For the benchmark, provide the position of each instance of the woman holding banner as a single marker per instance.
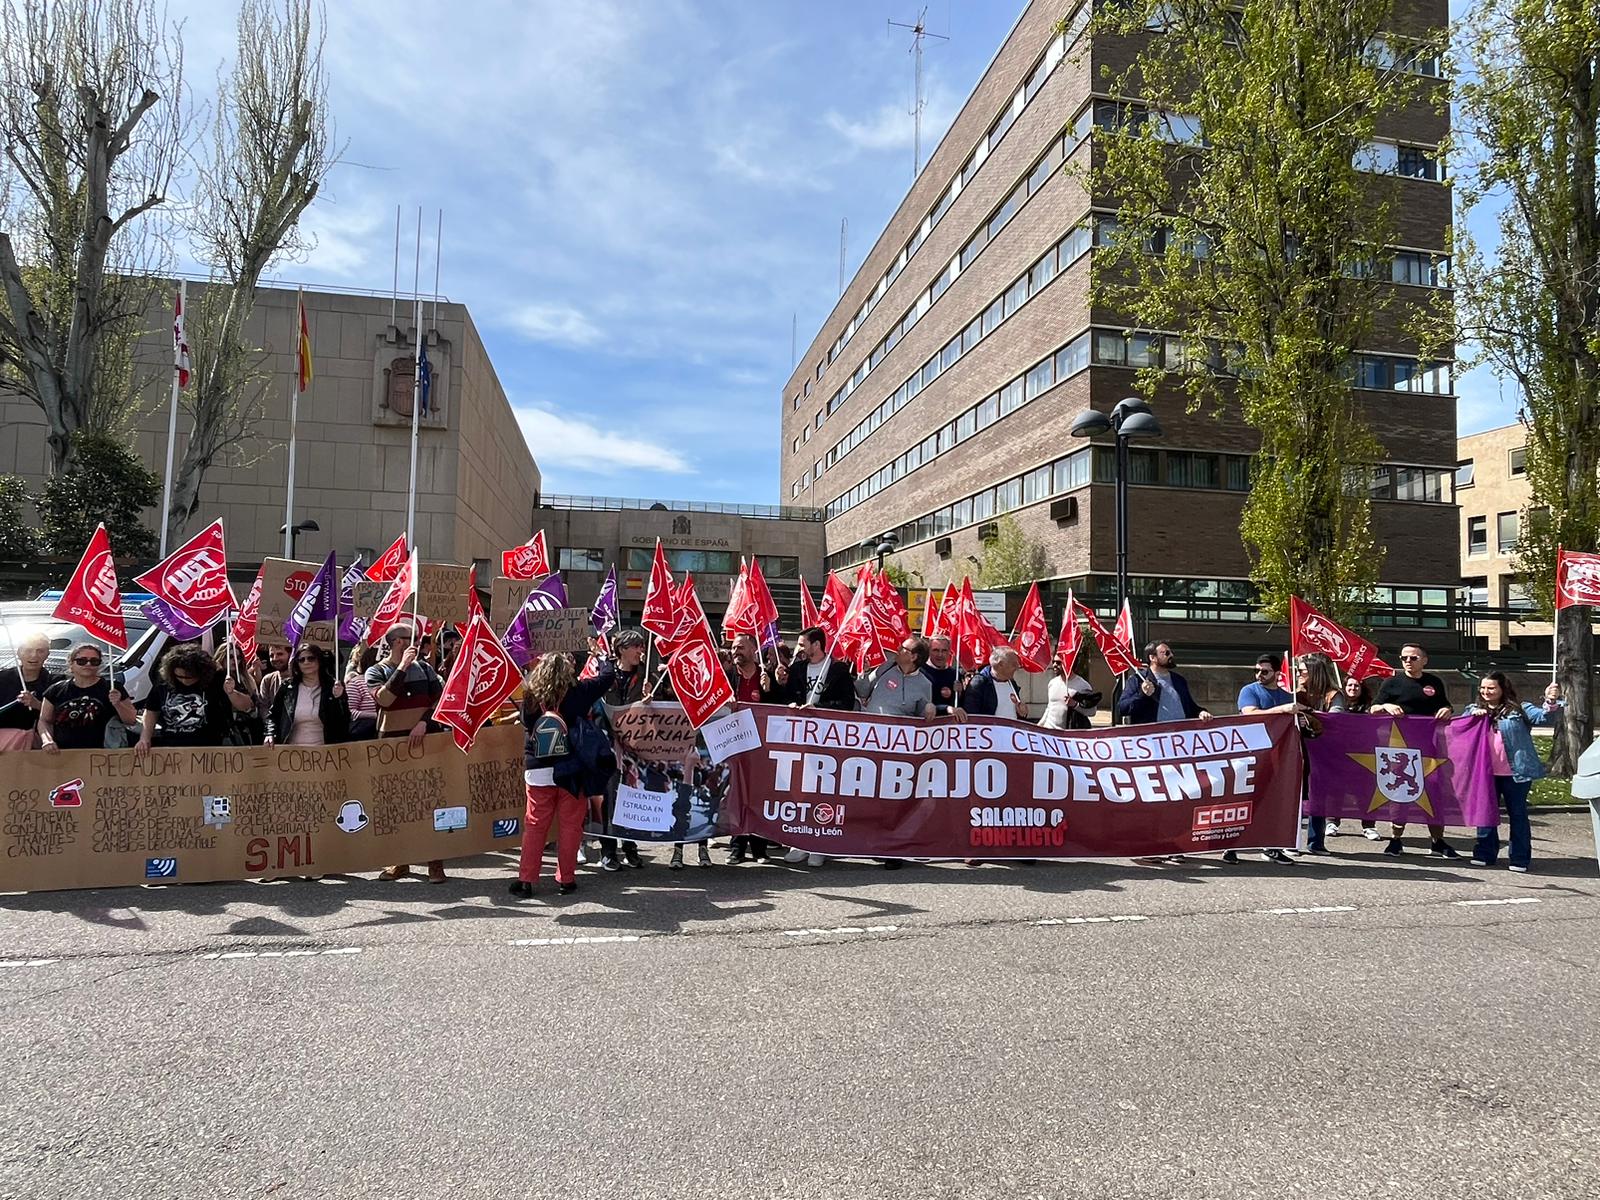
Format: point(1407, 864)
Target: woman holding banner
point(310, 708)
point(1516, 766)
point(22, 690)
point(555, 713)
point(76, 710)
point(406, 689)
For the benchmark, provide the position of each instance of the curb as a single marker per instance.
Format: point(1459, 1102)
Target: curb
point(1558, 808)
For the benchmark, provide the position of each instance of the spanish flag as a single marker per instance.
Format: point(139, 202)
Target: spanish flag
point(304, 350)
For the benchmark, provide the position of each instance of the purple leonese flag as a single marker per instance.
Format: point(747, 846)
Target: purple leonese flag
point(170, 621)
point(1406, 769)
point(351, 627)
point(320, 603)
point(550, 594)
point(604, 615)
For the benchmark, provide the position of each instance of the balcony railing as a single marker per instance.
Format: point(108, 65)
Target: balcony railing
point(763, 512)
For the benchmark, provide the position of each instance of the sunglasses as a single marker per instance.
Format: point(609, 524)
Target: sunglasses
point(310, 658)
point(1411, 658)
point(88, 662)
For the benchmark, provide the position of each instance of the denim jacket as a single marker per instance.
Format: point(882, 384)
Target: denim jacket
point(1515, 735)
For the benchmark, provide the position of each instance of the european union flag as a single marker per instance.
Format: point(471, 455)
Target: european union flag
point(425, 375)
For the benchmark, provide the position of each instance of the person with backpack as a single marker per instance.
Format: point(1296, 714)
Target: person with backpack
point(562, 752)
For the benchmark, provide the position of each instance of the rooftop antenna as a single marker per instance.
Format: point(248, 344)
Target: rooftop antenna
point(844, 226)
point(918, 32)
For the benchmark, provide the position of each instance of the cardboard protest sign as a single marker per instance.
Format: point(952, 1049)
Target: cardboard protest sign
point(559, 630)
point(506, 597)
point(283, 584)
point(442, 592)
point(665, 788)
point(101, 818)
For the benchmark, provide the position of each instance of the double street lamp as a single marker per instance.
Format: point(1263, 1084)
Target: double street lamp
point(883, 545)
point(293, 532)
point(1131, 418)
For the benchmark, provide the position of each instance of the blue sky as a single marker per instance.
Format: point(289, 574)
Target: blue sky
point(637, 196)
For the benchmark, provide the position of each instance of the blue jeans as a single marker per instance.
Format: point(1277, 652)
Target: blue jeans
point(1514, 795)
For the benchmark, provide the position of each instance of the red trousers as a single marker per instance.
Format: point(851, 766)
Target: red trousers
point(547, 804)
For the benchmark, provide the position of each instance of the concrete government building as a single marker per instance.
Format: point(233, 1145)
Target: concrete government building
point(938, 394)
point(476, 479)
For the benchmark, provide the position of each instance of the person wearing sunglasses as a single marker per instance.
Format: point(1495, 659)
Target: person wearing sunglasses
point(76, 710)
point(1415, 692)
point(310, 708)
point(192, 705)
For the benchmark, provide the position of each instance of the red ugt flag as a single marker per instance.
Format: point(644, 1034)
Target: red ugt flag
point(1577, 579)
point(193, 579)
point(528, 561)
point(691, 615)
point(481, 679)
point(244, 625)
point(1312, 632)
point(830, 614)
point(1071, 640)
point(92, 597)
point(809, 617)
point(393, 605)
point(698, 679)
point(390, 563)
point(1033, 633)
point(660, 615)
point(1118, 657)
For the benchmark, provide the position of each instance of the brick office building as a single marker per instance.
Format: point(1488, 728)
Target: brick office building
point(476, 478)
point(938, 394)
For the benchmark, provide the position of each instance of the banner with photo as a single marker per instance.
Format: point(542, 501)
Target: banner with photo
point(856, 784)
point(102, 818)
point(665, 787)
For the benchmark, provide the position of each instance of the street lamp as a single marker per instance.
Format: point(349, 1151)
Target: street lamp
point(882, 546)
point(1131, 418)
point(307, 526)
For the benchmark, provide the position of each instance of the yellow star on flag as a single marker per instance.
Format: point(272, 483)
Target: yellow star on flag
point(1394, 766)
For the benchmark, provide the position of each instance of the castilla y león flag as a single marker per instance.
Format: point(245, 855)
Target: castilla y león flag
point(92, 597)
point(193, 580)
point(480, 681)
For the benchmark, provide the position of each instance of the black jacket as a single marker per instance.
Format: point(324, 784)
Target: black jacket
point(979, 698)
point(838, 686)
point(334, 712)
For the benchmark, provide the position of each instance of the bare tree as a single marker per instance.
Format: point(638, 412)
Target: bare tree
point(92, 127)
point(272, 146)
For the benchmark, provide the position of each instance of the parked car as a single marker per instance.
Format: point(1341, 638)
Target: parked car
point(21, 617)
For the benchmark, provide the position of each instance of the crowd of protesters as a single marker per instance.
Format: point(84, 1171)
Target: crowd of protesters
point(297, 697)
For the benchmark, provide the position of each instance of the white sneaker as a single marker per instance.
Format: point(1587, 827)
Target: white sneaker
point(1372, 835)
point(583, 859)
point(813, 860)
point(1332, 829)
point(795, 856)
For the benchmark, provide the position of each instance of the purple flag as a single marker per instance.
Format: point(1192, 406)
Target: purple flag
point(171, 622)
point(320, 603)
point(604, 615)
point(351, 627)
point(1407, 769)
point(550, 594)
point(769, 636)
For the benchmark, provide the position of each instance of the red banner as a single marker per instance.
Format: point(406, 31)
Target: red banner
point(92, 597)
point(863, 785)
point(701, 685)
point(193, 579)
point(528, 561)
point(481, 679)
point(1577, 579)
point(1311, 631)
point(1033, 633)
point(391, 562)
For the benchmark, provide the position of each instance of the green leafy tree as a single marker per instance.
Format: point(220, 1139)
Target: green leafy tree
point(19, 541)
point(104, 483)
point(1011, 558)
point(1245, 221)
point(1528, 113)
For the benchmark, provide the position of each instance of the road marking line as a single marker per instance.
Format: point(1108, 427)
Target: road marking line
point(27, 962)
point(1090, 920)
point(1321, 908)
point(215, 956)
point(575, 941)
point(841, 929)
point(1512, 900)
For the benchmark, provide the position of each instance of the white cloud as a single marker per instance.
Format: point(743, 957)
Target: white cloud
point(560, 441)
point(889, 128)
point(560, 324)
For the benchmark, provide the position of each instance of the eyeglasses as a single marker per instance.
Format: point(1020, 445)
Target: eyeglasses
point(88, 662)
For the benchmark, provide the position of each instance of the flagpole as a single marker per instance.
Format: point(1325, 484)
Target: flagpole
point(416, 387)
point(294, 418)
point(172, 430)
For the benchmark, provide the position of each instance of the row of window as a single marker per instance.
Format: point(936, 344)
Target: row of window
point(1506, 529)
point(1036, 176)
point(1516, 467)
point(1399, 53)
point(1102, 347)
point(1052, 57)
point(1054, 260)
point(707, 562)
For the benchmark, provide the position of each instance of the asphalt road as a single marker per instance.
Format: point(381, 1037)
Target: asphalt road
point(1351, 1027)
